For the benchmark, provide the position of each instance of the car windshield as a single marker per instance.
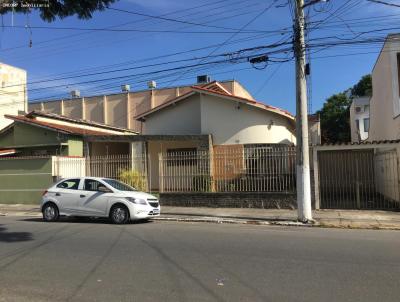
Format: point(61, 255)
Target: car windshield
point(119, 185)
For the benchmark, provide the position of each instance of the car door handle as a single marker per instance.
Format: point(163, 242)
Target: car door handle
point(58, 194)
point(81, 196)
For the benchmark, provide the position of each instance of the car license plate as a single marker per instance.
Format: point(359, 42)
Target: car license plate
point(156, 211)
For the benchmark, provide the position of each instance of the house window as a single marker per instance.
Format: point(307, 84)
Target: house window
point(358, 125)
point(182, 157)
point(366, 107)
point(366, 124)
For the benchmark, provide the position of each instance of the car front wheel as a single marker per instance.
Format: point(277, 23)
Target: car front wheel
point(119, 214)
point(50, 212)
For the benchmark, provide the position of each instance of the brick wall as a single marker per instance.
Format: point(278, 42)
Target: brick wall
point(230, 200)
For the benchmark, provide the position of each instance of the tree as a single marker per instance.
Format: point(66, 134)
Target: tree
point(335, 114)
point(363, 87)
point(51, 9)
point(335, 119)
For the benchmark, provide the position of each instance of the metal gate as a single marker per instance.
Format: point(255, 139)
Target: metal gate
point(358, 179)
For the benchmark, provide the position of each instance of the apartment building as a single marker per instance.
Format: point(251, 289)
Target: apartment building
point(13, 92)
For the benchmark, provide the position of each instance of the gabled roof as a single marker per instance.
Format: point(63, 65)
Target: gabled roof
point(214, 86)
point(214, 90)
point(66, 128)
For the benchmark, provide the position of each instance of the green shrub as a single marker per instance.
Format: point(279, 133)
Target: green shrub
point(133, 178)
point(202, 183)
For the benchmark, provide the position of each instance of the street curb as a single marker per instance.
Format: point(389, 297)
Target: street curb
point(219, 220)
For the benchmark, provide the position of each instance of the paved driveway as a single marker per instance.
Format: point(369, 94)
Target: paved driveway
point(166, 261)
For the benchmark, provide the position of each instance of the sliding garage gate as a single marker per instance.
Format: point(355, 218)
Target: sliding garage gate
point(359, 178)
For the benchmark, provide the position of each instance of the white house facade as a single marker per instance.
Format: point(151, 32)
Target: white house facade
point(359, 119)
point(227, 118)
point(385, 100)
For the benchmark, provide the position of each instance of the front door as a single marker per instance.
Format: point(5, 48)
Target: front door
point(91, 201)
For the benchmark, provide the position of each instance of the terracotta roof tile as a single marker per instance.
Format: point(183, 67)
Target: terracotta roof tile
point(199, 89)
point(34, 114)
point(57, 127)
point(7, 152)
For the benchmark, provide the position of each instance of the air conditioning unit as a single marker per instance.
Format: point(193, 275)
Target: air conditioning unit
point(359, 109)
point(75, 94)
point(125, 88)
point(203, 79)
point(152, 84)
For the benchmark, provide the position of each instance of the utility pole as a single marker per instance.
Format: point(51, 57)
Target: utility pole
point(302, 149)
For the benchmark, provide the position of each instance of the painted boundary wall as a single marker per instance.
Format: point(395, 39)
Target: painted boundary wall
point(23, 180)
point(260, 200)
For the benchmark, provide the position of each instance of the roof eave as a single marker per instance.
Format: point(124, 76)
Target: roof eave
point(42, 126)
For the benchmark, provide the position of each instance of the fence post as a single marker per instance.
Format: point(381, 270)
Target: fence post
point(211, 168)
point(358, 194)
point(148, 158)
point(316, 179)
point(160, 173)
point(58, 168)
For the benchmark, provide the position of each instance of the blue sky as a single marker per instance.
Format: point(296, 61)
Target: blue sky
point(61, 53)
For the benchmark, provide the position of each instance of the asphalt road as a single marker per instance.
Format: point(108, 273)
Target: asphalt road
point(159, 261)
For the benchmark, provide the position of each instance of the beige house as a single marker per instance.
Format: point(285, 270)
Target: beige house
point(120, 109)
point(13, 94)
point(229, 119)
point(232, 122)
point(385, 101)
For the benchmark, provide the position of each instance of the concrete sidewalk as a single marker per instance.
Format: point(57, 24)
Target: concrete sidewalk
point(323, 218)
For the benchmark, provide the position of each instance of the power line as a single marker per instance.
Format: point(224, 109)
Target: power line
point(384, 3)
point(108, 87)
point(230, 56)
point(134, 30)
point(234, 34)
point(171, 19)
point(220, 17)
point(235, 59)
point(277, 51)
point(117, 25)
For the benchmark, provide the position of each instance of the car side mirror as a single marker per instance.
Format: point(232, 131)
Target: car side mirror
point(103, 189)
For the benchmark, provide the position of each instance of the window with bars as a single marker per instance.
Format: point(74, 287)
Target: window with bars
point(182, 157)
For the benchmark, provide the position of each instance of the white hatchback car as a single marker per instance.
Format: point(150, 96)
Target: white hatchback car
point(98, 197)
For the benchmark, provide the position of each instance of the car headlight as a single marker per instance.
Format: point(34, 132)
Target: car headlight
point(136, 200)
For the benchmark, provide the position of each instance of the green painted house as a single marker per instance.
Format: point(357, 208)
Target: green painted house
point(38, 133)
